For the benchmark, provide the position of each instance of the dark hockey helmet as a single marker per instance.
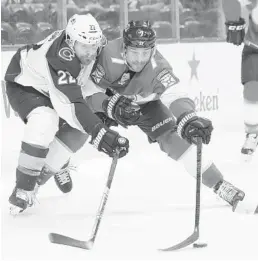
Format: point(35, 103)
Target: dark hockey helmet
point(139, 34)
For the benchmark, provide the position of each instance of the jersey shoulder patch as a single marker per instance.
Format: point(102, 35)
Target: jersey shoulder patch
point(97, 73)
point(167, 78)
point(164, 72)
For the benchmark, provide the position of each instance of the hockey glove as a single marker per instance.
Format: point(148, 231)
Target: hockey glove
point(121, 109)
point(235, 31)
point(109, 141)
point(190, 127)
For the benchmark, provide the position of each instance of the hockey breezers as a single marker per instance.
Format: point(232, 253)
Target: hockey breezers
point(195, 235)
point(64, 240)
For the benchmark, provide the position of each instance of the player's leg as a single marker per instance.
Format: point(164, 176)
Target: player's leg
point(250, 82)
point(41, 126)
point(66, 142)
point(160, 126)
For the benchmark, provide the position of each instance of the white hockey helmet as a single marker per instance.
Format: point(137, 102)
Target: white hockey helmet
point(84, 29)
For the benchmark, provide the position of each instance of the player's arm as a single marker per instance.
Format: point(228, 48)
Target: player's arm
point(116, 107)
point(95, 101)
point(67, 99)
point(173, 95)
point(235, 24)
point(168, 88)
point(99, 76)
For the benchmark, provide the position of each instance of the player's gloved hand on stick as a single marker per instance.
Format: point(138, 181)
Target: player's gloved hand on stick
point(121, 109)
point(235, 31)
point(109, 141)
point(190, 127)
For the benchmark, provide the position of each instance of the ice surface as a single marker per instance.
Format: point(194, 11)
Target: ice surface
point(150, 206)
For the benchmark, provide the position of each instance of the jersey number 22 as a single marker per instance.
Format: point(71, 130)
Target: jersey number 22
point(65, 78)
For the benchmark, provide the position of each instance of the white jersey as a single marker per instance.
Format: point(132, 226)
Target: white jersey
point(52, 68)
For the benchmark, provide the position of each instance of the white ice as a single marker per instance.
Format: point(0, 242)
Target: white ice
point(150, 205)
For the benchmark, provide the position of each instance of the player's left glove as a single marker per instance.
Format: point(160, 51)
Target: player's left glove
point(121, 109)
point(190, 127)
point(235, 31)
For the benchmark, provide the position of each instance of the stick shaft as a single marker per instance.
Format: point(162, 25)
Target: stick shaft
point(104, 198)
point(198, 184)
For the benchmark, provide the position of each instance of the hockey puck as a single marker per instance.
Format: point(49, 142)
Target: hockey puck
point(200, 245)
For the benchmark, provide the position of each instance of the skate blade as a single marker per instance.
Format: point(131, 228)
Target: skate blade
point(246, 207)
point(247, 157)
point(15, 210)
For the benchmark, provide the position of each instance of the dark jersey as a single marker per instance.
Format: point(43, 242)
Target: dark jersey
point(156, 78)
point(52, 68)
point(111, 71)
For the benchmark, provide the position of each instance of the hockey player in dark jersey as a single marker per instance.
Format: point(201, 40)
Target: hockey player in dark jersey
point(142, 90)
point(45, 87)
point(236, 34)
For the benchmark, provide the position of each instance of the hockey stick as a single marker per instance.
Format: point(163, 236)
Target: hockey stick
point(196, 234)
point(64, 240)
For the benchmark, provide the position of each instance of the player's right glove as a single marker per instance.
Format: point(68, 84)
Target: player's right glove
point(121, 109)
point(190, 127)
point(235, 31)
point(109, 141)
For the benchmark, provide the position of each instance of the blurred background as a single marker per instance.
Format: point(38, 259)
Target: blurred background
point(28, 21)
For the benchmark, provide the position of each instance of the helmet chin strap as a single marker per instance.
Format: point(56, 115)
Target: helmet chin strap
point(103, 43)
point(70, 42)
point(124, 57)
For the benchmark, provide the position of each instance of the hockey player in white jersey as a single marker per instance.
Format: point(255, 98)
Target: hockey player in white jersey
point(44, 86)
point(236, 35)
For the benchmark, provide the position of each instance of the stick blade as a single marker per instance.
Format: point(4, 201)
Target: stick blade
point(190, 240)
point(68, 241)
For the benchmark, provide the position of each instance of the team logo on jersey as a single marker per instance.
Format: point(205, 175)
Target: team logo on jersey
point(167, 78)
point(98, 73)
point(66, 53)
point(125, 77)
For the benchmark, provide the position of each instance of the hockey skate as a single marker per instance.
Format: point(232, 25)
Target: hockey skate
point(44, 176)
point(62, 178)
point(20, 200)
point(249, 146)
point(240, 202)
point(229, 193)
